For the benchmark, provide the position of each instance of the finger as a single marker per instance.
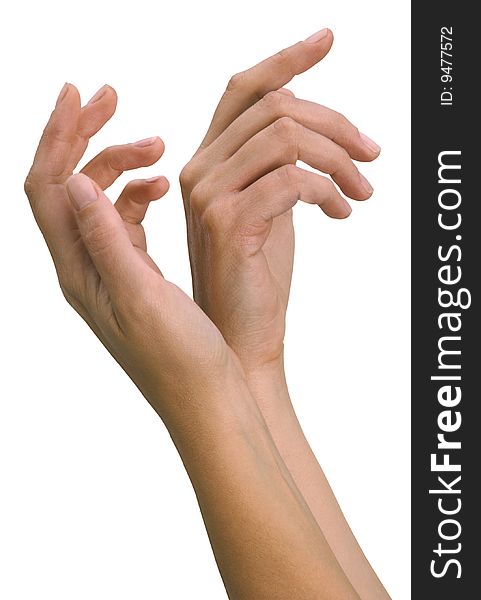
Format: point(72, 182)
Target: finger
point(49, 170)
point(276, 105)
point(278, 191)
point(105, 237)
point(285, 142)
point(107, 166)
point(52, 159)
point(246, 88)
point(134, 200)
point(98, 110)
point(93, 116)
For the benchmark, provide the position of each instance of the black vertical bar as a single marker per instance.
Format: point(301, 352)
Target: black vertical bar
point(452, 127)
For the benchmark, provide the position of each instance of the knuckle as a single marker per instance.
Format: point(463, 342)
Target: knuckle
point(339, 119)
point(187, 177)
point(283, 61)
point(329, 187)
point(344, 125)
point(339, 157)
point(286, 128)
point(343, 157)
point(70, 287)
point(69, 294)
point(272, 102)
point(111, 158)
point(354, 131)
point(281, 58)
point(236, 82)
point(341, 163)
point(99, 237)
point(286, 92)
point(199, 197)
point(290, 174)
point(31, 185)
point(212, 219)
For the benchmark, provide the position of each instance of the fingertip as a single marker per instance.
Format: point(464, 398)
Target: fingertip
point(369, 144)
point(112, 91)
point(329, 41)
point(162, 145)
point(63, 119)
point(99, 109)
point(317, 45)
point(160, 181)
point(113, 94)
point(149, 142)
point(340, 212)
point(63, 93)
point(105, 93)
point(152, 149)
point(366, 186)
point(67, 96)
point(347, 210)
point(320, 36)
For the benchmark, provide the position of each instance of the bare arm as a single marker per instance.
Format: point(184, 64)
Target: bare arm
point(239, 191)
point(265, 538)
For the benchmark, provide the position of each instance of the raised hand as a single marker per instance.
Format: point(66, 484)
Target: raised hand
point(239, 190)
point(149, 325)
point(263, 534)
point(241, 184)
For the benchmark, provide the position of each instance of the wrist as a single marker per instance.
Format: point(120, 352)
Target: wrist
point(268, 386)
point(187, 395)
point(219, 414)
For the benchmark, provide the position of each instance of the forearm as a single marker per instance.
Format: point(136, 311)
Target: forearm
point(268, 386)
point(266, 542)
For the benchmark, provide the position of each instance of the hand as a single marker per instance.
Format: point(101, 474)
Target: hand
point(239, 190)
point(159, 335)
point(240, 187)
point(178, 359)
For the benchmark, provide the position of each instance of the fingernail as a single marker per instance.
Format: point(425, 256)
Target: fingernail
point(63, 93)
point(81, 191)
point(98, 95)
point(371, 144)
point(317, 37)
point(146, 142)
point(153, 179)
point(365, 184)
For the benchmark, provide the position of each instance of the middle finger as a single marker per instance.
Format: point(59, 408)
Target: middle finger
point(286, 142)
point(275, 105)
point(107, 166)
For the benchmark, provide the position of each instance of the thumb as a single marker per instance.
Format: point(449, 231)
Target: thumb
point(105, 237)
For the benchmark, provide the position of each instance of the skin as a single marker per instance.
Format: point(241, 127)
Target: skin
point(196, 372)
point(239, 190)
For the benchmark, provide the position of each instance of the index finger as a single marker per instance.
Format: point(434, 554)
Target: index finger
point(246, 88)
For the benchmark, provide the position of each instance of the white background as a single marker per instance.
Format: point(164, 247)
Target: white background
point(94, 502)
